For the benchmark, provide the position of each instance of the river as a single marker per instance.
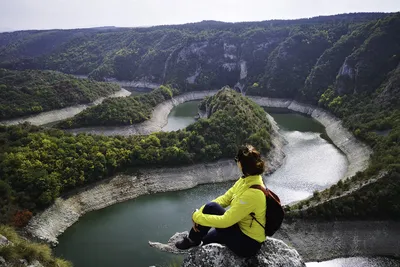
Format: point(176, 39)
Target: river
point(181, 116)
point(118, 235)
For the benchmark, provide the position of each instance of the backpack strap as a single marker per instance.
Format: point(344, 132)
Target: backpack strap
point(260, 187)
point(266, 193)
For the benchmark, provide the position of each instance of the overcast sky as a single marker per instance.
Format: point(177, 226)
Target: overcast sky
point(50, 14)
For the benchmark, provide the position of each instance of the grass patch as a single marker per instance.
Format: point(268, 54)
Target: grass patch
point(30, 251)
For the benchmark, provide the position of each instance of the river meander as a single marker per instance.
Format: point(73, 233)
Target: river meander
point(118, 235)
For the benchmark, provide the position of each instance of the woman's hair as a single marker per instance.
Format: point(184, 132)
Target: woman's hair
point(251, 161)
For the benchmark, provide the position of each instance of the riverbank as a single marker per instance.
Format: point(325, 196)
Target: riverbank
point(158, 120)
point(62, 114)
point(321, 241)
point(357, 153)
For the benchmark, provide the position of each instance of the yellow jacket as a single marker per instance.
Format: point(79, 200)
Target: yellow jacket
point(242, 200)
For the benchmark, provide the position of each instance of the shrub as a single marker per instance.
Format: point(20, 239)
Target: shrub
point(21, 218)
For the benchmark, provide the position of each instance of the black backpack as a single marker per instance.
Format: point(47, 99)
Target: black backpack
point(274, 213)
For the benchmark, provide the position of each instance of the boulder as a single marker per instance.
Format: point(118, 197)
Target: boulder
point(273, 252)
point(4, 241)
point(170, 245)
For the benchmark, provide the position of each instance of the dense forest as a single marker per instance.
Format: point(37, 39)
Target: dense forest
point(348, 64)
point(37, 165)
point(120, 111)
point(33, 91)
point(212, 53)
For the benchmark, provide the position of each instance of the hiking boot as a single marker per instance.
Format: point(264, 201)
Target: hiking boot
point(186, 243)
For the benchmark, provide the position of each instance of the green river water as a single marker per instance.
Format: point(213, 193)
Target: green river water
point(118, 235)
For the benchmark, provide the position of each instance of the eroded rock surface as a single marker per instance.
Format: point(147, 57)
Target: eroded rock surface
point(4, 241)
point(273, 253)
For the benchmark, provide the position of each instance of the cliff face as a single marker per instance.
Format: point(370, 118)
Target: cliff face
point(282, 57)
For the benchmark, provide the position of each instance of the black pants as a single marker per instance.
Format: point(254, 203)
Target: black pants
point(241, 244)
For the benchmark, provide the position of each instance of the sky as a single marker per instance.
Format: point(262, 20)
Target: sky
point(67, 14)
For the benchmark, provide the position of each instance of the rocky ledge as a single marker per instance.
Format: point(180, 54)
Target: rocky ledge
point(273, 253)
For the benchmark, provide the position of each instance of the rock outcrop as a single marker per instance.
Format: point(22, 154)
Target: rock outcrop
point(273, 253)
point(4, 241)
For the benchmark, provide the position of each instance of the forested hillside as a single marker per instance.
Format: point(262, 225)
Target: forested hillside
point(38, 165)
point(33, 91)
point(120, 111)
point(191, 56)
point(348, 64)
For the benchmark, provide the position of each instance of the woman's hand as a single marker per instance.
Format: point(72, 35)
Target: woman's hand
point(195, 225)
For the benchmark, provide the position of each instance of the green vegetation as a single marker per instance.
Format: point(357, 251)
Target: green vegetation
point(27, 250)
point(279, 56)
point(143, 53)
point(33, 91)
point(120, 111)
point(37, 165)
point(347, 64)
point(373, 200)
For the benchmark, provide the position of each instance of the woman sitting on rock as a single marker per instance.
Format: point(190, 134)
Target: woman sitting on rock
point(234, 227)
